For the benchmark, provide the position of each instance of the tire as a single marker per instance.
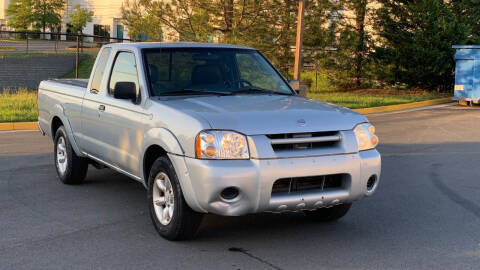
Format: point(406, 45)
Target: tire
point(172, 217)
point(329, 214)
point(73, 169)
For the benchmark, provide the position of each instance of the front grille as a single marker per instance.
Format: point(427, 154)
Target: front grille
point(302, 141)
point(324, 182)
point(295, 135)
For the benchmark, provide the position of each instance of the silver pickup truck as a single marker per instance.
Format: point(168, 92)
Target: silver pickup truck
point(208, 128)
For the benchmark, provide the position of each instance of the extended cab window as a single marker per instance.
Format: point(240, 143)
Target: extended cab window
point(100, 69)
point(124, 70)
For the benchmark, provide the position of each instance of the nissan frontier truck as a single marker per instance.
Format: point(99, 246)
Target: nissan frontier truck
point(208, 128)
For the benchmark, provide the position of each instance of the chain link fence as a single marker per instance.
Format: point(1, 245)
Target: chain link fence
point(27, 57)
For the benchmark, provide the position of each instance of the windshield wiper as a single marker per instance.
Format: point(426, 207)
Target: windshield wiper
point(258, 90)
point(193, 92)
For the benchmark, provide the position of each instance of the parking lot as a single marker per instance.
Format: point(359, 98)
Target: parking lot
point(425, 214)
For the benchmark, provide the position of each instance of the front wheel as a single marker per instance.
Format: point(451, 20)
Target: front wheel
point(172, 217)
point(329, 214)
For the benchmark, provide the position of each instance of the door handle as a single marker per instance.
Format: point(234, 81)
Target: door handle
point(101, 108)
point(94, 91)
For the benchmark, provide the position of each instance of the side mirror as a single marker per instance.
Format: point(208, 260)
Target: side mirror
point(125, 90)
point(299, 87)
point(295, 85)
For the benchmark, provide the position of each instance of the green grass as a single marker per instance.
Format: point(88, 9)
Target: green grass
point(357, 99)
point(18, 106)
point(84, 67)
point(7, 49)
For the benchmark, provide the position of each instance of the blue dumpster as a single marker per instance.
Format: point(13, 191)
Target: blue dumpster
point(467, 73)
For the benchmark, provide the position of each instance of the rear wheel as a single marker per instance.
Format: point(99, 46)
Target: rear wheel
point(172, 217)
point(71, 169)
point(329, 214)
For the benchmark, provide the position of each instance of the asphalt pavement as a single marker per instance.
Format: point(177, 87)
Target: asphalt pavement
point(425, 214)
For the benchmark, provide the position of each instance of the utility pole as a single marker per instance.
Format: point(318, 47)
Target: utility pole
point(299, 40)
point(298, 86)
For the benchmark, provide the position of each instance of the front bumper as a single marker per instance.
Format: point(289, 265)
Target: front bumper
point(204, 180)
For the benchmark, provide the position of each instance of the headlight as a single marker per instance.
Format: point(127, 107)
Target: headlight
point(366, 138)
point(221, 144)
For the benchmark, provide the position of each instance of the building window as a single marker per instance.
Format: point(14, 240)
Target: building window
point(119, 31)
point(143, 37)
point(101, 30)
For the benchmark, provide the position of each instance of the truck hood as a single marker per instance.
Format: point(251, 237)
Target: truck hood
point(268, 114)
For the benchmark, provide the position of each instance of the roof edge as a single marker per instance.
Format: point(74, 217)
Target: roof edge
point(182, 45)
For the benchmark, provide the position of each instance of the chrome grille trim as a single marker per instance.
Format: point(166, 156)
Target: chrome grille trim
point(332, 138)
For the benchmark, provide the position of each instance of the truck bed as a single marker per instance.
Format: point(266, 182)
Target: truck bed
point(65, 95)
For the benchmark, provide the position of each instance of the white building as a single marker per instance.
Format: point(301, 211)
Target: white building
point(3, 16)
point(106, 20)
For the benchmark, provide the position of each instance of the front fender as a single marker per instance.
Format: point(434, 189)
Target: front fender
point(165, 139)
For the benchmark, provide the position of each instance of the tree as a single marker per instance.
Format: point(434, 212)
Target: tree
point(279, 33)
point(468, 15)
point(353, 43)
point(322, 19)
point(79, 18)
point(265, 24)
point(322, 25)
point(417, 39)
point(204, 20)
point(20, 15)
point(47, 13)
point(360, 37)
point(338, 32)
point(137, 18)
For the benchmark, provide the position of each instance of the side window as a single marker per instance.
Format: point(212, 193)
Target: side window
point(100, 69)
point(124, 70)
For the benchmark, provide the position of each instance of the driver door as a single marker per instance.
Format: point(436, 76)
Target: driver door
point(120, 123)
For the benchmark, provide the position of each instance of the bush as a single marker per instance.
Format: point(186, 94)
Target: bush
point(318, 81)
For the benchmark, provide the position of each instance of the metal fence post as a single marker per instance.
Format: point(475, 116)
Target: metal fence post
point(56, 41)
point(76, 57)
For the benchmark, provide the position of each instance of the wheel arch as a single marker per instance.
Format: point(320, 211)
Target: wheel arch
point(153, 152)
point(161, 141)
point(59, 119)
point(157, 142)
point(56, 123)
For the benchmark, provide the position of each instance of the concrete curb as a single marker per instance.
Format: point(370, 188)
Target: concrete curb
point(19, 126)
point(34, 125)
point(398, 107)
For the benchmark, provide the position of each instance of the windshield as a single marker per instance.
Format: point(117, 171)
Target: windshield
point(187, 71)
